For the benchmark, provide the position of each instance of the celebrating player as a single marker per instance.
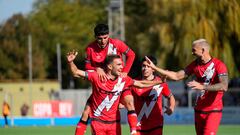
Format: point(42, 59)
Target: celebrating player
point(148, 102)
point(96, 52)
point(105, 116)
point(211, 79)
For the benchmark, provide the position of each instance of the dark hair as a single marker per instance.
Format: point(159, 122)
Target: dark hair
point(109, 59)
point(152, 58)
point(101, 29)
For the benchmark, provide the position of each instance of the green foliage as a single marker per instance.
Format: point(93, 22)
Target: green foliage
point(69, 23)
point(171, 26)
point(162, 28)
point(14, 50)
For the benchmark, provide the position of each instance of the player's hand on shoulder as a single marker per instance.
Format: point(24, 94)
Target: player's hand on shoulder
point(101, 74)
point(123, 74)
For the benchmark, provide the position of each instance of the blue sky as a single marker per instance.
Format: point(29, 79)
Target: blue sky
point(10, 7)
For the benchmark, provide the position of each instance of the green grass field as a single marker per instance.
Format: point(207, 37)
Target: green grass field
point(62, 130)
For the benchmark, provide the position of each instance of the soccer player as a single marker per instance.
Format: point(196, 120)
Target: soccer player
point(96, 52)
point(148, 101)
point(105, 116)
point(211, 80)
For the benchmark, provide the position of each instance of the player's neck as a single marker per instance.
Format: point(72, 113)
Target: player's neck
point(151, 77)
point(111, 76)
point(206, 59)
point(102, 46)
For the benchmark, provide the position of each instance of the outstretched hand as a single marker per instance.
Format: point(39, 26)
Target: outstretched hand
point(195, 85)
point(150, 63)
point(71, 56)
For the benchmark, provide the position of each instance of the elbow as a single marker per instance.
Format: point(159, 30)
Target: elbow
point(175, 78)
point(225, 88)
point(131, 54)
point(75, 74)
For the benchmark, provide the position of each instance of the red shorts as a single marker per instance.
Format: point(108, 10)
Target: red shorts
point(101, 128)
point(156, 131)
point(207, 123)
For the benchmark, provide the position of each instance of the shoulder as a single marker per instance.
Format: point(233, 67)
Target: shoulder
point(157, 78)
point(164, 85)
point(91, 74)
point(217, 61)
point(116, 41)
point(220, 66)
point(92, 45)
point(128, 79)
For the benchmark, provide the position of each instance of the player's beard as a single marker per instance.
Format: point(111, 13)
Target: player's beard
point(102, 44)
point(116, 73)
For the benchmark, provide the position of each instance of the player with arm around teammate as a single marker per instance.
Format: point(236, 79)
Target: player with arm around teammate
point(96, 52)
point(105, 116)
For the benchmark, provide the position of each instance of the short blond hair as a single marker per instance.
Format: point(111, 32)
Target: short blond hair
point(199, 41)
point(203, 42)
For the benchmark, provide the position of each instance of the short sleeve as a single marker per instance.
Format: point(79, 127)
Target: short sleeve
point(129, 81)
point(91, 75)
point(221, 69)
point(166, 91)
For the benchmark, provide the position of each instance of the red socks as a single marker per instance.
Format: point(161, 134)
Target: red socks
point(81, 127)
point(132, 121)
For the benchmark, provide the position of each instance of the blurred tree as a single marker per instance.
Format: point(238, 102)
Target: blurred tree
point(171, 27)
point(14, 50)
point(162, 28)
point(69, 23)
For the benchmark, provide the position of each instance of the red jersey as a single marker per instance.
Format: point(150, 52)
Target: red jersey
point(96, 55)
point(148, 105)
point(106, 95)
point(208, 74)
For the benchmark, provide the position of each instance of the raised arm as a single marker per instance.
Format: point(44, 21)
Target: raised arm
point(170, 74)
point(75, 71)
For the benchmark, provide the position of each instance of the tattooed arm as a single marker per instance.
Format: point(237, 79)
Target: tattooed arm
point(222, 85)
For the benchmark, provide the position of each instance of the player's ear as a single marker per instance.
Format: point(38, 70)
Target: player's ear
point(109, 66)
point(203, 50)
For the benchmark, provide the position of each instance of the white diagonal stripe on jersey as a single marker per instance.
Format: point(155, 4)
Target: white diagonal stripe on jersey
point(107, 103)
point(156, 90)
point(111, 49)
